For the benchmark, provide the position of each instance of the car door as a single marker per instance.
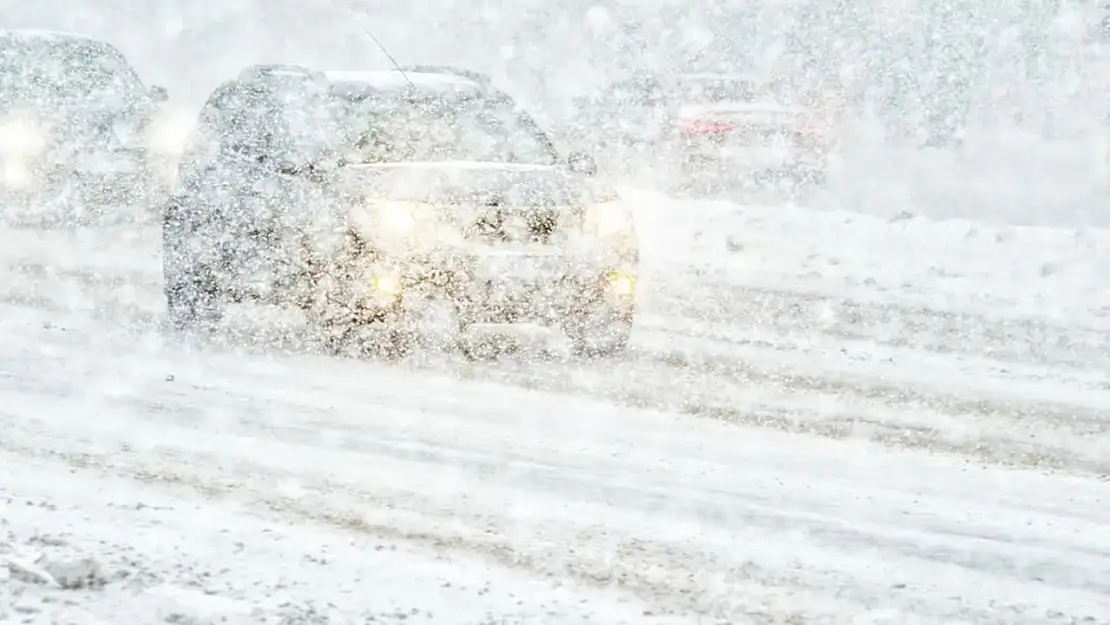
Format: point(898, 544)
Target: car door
point(196, 220)
point(253, 166)
point(282, 153)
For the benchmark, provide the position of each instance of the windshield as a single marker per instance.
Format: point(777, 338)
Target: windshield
point(716, 90)
point(442, 129)
point(52, 70)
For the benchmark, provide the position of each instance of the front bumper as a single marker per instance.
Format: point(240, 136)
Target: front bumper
point(89, 181)
point(494, 287)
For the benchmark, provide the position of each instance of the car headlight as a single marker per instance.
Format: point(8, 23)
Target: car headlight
point(621, 284)
point(170, 133)
point(15, 175)
point(396, 217)
point(607, 219)
point(393, 219)
point(21, 137)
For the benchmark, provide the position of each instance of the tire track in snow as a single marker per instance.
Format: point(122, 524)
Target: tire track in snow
point(709, 380)
point(1017, 340)
point(726, 389)
point(380, 473)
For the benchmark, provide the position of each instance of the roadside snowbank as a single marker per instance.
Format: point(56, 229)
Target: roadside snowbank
point(1002, 174)
point(1054, 274)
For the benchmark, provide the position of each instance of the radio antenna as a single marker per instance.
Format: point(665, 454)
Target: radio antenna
point(389, 56)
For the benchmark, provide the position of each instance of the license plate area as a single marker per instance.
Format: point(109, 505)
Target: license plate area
point(521, 268)
point(518, 286)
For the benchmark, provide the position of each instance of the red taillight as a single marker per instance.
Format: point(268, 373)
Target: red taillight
point(706, 127)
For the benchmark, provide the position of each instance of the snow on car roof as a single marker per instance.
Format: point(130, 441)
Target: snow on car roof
point(46, 35)
point(393, 80)
point(710, 76)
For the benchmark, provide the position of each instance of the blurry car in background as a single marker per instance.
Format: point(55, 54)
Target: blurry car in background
point(712, 128)
point(81, 137)
point(395, 194)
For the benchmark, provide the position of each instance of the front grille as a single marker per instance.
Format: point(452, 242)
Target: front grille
point(529, 225)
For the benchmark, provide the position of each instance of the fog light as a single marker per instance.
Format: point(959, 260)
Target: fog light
point(621, 284)
point(387, 283)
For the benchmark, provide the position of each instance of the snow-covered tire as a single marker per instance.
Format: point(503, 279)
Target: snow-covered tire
point(387, 340)
point(193, 306)
point(599, 332)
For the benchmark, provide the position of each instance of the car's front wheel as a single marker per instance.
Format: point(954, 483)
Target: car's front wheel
point(193, 299)
point(347, 321)
point(193, 304)
point(390, 340)
point(599, 330)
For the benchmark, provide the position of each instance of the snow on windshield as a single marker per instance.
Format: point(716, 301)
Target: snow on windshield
point(442, 129)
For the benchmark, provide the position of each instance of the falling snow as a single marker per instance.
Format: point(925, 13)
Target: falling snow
point(662, 312)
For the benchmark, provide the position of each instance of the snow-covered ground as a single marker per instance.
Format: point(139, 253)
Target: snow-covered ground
point(1054, 274)
point(817, 422)
point(246, 486)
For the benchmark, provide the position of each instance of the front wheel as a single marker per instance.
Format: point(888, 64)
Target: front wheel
point(192, 305)
point(602, 330)
point(192, 294)
point(388, 340)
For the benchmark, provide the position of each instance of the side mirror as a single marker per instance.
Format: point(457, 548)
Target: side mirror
point(582, 163)
point(159, 94)
point(321, 171)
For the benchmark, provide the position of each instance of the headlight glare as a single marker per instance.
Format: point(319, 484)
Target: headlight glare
point(387, 283)
point(21, 137)
point(621, 284)
point(397, 217)
point(607, 219)
point(169, 134)
point(16, 175)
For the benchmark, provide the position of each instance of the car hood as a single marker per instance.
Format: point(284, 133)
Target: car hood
point(763, 112)
point(458, 182)
point(79, 121)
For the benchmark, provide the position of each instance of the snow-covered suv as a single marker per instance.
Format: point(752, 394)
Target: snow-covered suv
point(364, 202)
point(79, 131)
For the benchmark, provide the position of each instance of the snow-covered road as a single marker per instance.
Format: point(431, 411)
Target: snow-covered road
point(244, 481)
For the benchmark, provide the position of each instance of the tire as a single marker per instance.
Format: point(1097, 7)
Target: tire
point(192, 295)
point(603, 330)
point(392, 341)
point(193, 305)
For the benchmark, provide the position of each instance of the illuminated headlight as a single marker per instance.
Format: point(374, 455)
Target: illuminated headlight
point(16, 174)
point(381, 285)
point(397, 219)
point(387, 283)
point(21, 138)
point(621, 284)
point(607, 219)
point(169, 134)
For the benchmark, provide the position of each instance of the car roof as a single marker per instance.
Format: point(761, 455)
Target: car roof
point(398, 82)
point(279, 71)
point(35, 34)
point(717, 76)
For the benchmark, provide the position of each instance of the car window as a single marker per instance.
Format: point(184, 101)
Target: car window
point(636, 92)
point(715, 90)
point(443, 129)
point(273, 121)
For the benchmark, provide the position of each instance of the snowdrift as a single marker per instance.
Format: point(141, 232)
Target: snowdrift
point(1055, 274)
